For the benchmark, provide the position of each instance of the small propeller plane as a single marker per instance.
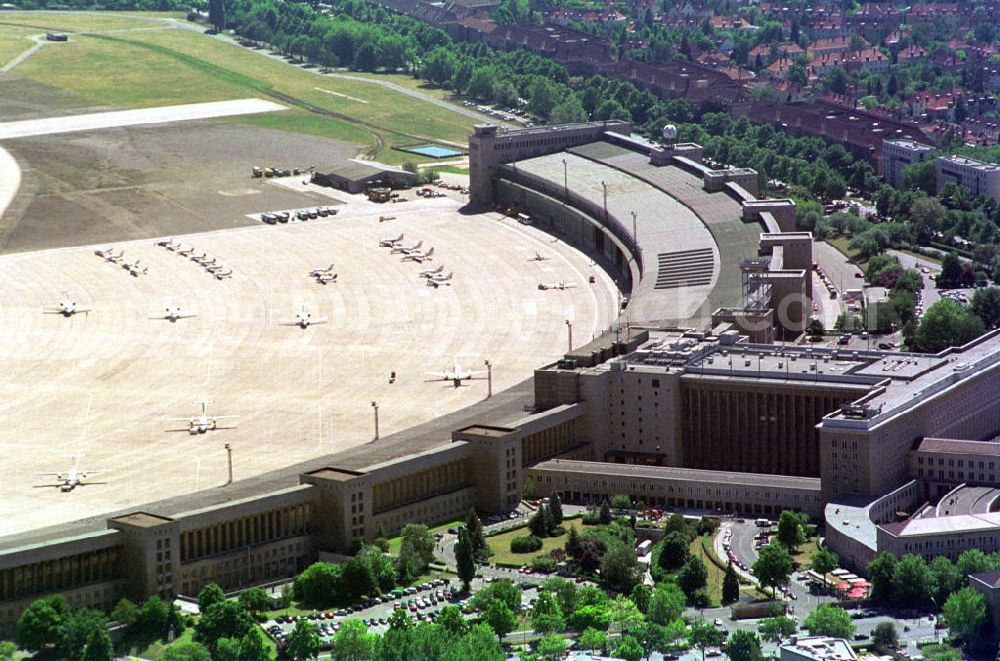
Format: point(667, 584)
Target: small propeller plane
point(199, 424)
point(67, 307)
point(70, 479)
point(303, 319)
point(456, 374)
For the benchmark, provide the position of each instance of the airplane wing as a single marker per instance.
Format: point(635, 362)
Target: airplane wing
point(50, 474)
point(318, 320)
point(440, 375)
point(223, 417)
point(181, 419)
point(290, 322)
point(192, 313)
point(83, 310)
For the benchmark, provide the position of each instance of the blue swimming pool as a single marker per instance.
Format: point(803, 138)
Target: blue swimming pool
point(434, 151)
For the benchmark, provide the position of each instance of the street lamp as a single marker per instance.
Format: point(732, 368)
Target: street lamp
point(375, 408)
point(229, 453)
point(569, 326)
point(604, 185)
point(635, 236)
point(565, 181)
point(489, 378)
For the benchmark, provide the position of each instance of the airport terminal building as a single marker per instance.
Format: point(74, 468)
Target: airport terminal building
point(688, 403)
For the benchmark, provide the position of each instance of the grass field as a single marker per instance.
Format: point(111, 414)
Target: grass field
point(841, 242)
point(396, 542)
point(13, 42)
point(74, 22)
point(148, 68)
point(500, 544)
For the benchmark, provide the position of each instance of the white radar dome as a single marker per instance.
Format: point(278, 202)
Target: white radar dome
point(669, 132)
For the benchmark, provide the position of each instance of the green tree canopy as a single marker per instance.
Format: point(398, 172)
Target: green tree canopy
point(743, 646)
point(773, 566)
point(776, 629)
point(303, 642)
point(965, 614)
point(831, 621)
point(40, 624)
point(947, 324)
point(209, 595)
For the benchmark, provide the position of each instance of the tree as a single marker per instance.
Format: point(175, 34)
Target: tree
point(944, 578)
point(885, 638)
point(451, 620)
point(881, 571)
point(7, 650)
point(353, 642)
point(254, 601)
point(126, 612)
point(666, 603)
point(217, 14)
point(464, 558)
point(573, 546)
point(628, 648)
point(677, 523)
point(499, 617)
point(743, 646)
point(911, 582)
point(620, 568)
point(555, 508)
point(640, 596)
point(625, 614)
point(824, 561)
point(186, 652)
point(226, 649)
point(591, 639)
point(693, 576)
point(830, 621)
point(40, 624)
point(504, 590)
point(78, 629)
point(772, 567)
point(704, 635)
point(303, 642)
point(951, 271)
point(965, 614)
point(551, 647)
point(475, 529)
point(791, 532)
point(604, 518)
point(317, 585)
point(224, 619)
point(209, 595)
point(538, 524)
point(98, 647)
point(776, 629)
point(253, 647)
point(546, 615)
point(730, 585)
point(591, 616)
point(420, 539)
point(674, 551)
point(985, 304)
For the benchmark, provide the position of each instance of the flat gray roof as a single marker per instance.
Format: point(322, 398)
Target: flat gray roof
point(680, 474)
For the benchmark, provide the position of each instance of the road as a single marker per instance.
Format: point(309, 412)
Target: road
point(929, 293)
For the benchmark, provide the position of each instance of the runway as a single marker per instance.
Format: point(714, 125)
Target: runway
point(118, 118)
point(103, 385)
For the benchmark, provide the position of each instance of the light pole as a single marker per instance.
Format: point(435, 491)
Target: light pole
point(604, 185)
point(229, 456)
point(565, 181)
point(489, 379)
point(635, 237)
point(375, 408)
point(569, 326)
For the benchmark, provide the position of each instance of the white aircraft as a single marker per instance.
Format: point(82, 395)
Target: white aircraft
point(390, 243)
point(67, 307)
point(318, 271)
point(134, 269)
point(303, 319)
point(456, 374)
point(556, 285)
point(186, 252)
point(419, 256)
point(538, 258)
point(214, 268)
point(427, 273)
point(169, 244)
point(323, 278)
point(200, 424)
point(407, 250)
point(222, 273)
point(439, 280)
point(203, 259)
point(70, 479)
point(108, 254)
point(172, 312)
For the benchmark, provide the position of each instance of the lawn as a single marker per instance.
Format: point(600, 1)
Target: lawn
point(75, 22)
point(14, 41)
point(840, 242)
point(803, 556)
point(500, 544)
point(163, 67)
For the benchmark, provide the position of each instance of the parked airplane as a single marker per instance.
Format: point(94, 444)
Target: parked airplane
point(172, 312)
point(203, 259)
point(186, 252)
point(222, 274)
point(407, 250)
point(456, 374)
point(214, 267)
point(67, 307)
point(556, 285)
point(439, 280)
point(427, 273)
point(108, 254)
point(134, 269)
point(303, 319)
point(68, 480)
point(390, 243)
point(419, 256)
point(323, 278)
point(200, 424)
point(538, 258)
point(318, 271)
point(169, 244)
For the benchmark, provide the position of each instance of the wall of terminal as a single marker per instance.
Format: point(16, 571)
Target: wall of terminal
point(703, 490)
